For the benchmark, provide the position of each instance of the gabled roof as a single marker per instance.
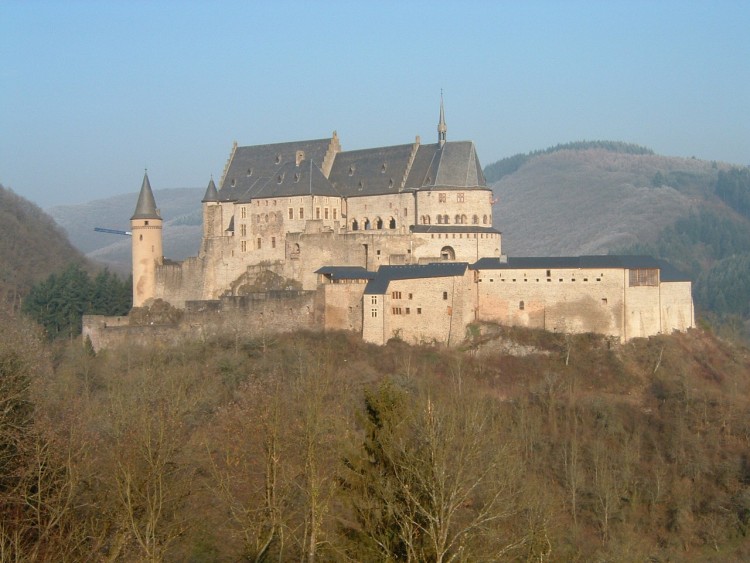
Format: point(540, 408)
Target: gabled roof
point(264, 161)
point(386, 274)
point(370, 171)
point(290, 180)
point(668, 272)
point(146, 206)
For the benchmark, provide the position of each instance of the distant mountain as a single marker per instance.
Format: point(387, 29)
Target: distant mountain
point(179, 207)
point(32, 247)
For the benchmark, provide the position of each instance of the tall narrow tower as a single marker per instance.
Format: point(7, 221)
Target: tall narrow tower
point(146, 226)
point(442, 127)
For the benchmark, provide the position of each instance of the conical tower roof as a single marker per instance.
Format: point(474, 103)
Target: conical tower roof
point(146, 206)
point(211, 193)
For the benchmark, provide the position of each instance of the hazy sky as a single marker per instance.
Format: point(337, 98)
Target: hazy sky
point(93, 92)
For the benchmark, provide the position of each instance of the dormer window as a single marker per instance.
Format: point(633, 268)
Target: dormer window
point(249, 172)
point(278, 158)
point(390, 183)
point(233, 182)
point(351, 170)
point(361, 185)
point(280, 178)
point(383, 168)
point(296, 178)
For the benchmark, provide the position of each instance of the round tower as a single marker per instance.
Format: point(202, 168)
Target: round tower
point(211, 212)
point(146, 228)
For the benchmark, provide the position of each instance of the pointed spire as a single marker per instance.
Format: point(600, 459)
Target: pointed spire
point(212, 194)
point(146, 206)
point(442, 127)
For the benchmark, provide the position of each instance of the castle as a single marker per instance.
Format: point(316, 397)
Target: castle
point(388, 242)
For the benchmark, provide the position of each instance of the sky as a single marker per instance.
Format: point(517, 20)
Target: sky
point(92, 93)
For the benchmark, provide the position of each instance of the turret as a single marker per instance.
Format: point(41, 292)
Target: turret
point(211, 211)
point(146, 227)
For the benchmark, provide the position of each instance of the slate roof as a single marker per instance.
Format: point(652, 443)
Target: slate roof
point(346, 272)
point(454, 165)
point(370, 171)
point(668, 272)
point(264, 161)
point(290, 180)
point(385, 274)
point(452, 229)
point(211, 193)
point(255, 171)
point(146, 206)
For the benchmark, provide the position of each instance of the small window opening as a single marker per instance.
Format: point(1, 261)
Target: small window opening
point(521, 305)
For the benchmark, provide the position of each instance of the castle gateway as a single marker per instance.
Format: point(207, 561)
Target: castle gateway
point(388, 242)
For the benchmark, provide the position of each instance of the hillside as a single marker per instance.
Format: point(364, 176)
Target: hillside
point(526, 446)
point(180, 208)
point(592, 201)
point(32, 247)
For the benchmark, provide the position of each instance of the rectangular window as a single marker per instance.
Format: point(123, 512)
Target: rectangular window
point(373, 313)
point(301, 212)
point(396, 295)
point(291, 213)
point(445, 295)
point(243, 212)
point(411, 296)
point(335, 214)
point(325, 213)
point(408, 310)
point(273, 242)
point(317, 212)
point(259, 243)
point(460, 197)
point(419, 310)
point(644, 277)
point(374, 300)
point(243, 229)
point(396, 310)
point(243, 246)
point(441, 198)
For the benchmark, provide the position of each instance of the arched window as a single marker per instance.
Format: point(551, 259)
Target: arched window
point(355, 225)
point(392, 223)
point(484, 219)
point(445, 219)
point(475, 220)
point(366, 224)
point(458, 219)
point(440, 219)
point(378, 223)
point(447, 253)
point(427, 219)
point(463, 219)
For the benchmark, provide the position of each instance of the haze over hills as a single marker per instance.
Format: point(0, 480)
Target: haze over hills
point(180, 208)
point(594, 200)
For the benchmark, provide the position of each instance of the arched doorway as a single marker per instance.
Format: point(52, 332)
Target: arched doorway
point(447, 253)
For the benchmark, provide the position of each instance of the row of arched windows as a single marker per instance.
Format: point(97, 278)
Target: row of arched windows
point(378, 223)
point(458, 220)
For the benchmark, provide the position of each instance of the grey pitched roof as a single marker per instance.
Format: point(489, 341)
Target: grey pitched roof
point(668, 272)
point(346, 272)
point(370, 171)
point(146, 206)
point(385, 274)
point(264, 161)
point(290, 180)
point(211, 193)
point(454, 165)
point(452, 229)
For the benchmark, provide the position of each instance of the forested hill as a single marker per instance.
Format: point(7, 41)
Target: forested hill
point(32, 247)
